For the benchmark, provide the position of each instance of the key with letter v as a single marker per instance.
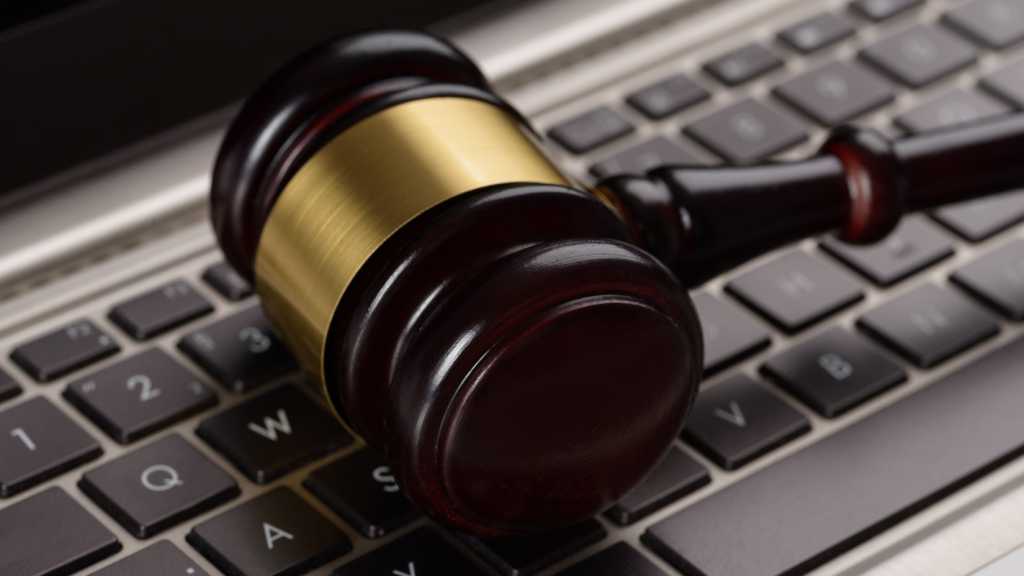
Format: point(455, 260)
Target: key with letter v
point(738, 420)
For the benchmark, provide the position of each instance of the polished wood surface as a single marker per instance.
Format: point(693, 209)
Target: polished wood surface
point(702, 221)
point(523, 353)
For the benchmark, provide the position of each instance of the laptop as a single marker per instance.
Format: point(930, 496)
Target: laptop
point(861, 411)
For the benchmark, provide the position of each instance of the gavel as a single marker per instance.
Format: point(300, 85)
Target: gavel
point(521, 349)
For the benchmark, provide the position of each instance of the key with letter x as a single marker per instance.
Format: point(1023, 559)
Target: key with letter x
point(274, 433)
point(420, 553)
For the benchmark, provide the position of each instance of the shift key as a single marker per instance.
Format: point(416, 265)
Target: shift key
point(814, 505)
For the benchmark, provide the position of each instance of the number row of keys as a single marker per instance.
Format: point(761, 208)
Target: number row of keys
point(150, 391)
point(81, 342)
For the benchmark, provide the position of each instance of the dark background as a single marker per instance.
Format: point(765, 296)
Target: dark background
point(81, 78)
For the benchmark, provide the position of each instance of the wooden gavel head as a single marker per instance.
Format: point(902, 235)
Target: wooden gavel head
point(523, 351)
point(487, 326)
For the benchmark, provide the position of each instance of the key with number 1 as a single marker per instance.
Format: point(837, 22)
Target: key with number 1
point(37, 442)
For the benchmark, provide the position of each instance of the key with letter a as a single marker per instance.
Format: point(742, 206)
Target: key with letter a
point(276, 534)
point(274, 433)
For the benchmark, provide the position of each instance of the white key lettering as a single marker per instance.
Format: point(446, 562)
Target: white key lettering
point(930, 322)
point(147, 391)
point(382, 475)
point(734, 415)
point(836, 366)
point(77, 331)
point(160, 478)
point(176, 290)
point(272, 534)
point(410, 571)
point(255, 340)
point(272, 426)
point(20, 434)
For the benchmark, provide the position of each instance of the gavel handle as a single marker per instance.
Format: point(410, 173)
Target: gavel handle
point(701, 221)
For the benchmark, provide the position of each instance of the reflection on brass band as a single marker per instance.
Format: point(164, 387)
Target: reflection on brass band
point(363, 186)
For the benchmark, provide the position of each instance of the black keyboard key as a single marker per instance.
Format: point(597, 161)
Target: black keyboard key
point(526, 555)
point(675, 476)
point(228, 283)
point(795, 289)
point(921, 55)
point(667, 97)
point(640, 158)
point(978, 220)
point(743, 64)
point(276, 534)
point(60, 352)
point(38, 442)
point(958, 106)
point(140, 395)
point(912, 247)
point(241, 352)
point(158, 486)
point(730, 334)
point(272, 434)
point(8, 387)
point(49, 534)
point(590, 130)
point(1007, 83)
point(422, 552)
point(361, 488)
point(818, 32)
point(834, 372)
point(160, 310)
point(848, 487)
point(929, 324)
point(747, 131)
point(878, 10)
point(998, 279)
point(618, 560)
point(738, 420)
point(836, 92)
point(162, 558)
point(995, 23)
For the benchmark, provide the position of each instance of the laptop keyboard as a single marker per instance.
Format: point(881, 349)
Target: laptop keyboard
point(169, 430)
